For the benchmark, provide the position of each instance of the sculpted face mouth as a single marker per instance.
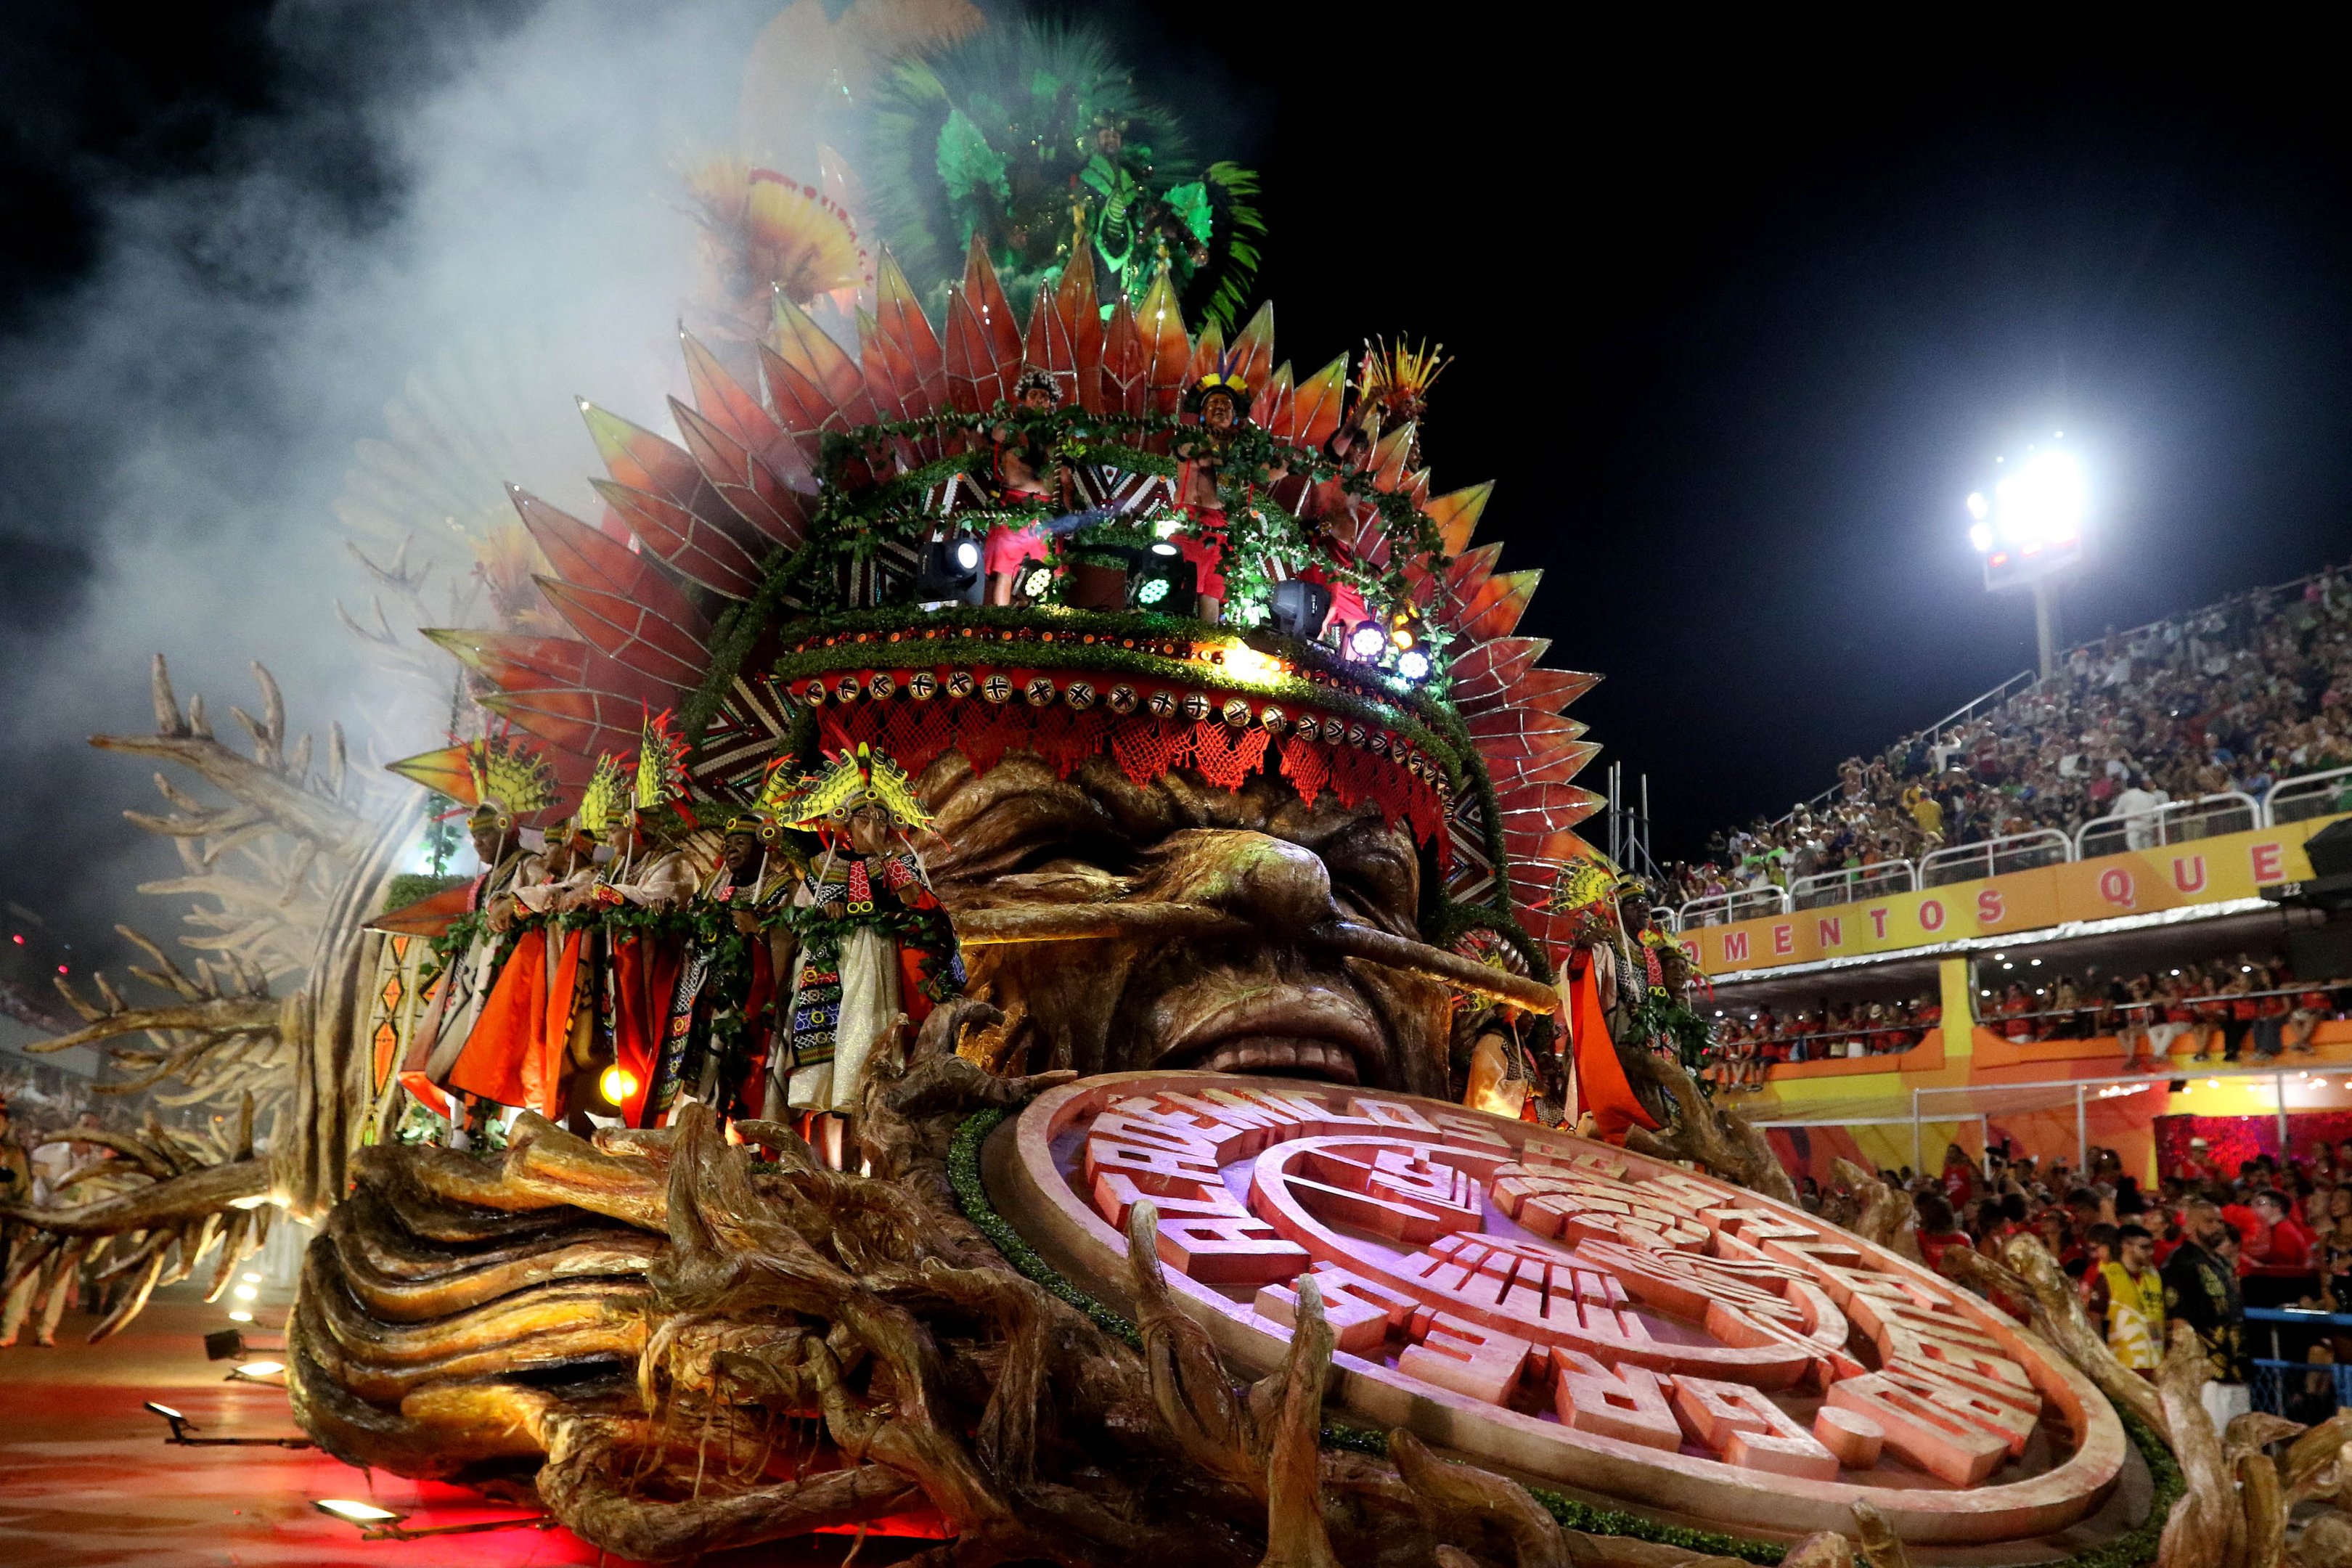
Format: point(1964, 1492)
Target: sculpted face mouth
point(1208, 904)
point(1287, 1030)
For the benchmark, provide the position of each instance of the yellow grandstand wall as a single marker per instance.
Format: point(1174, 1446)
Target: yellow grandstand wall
point(2195, 871)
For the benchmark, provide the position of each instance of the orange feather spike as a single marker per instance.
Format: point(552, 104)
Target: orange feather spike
point(1126, 368)
point(799, 343)
point(1252, 351)
point(1081, 316)
point(1457, 514)
point(986, 296)
point(1167, 350)
point(444, 771)
point(696, 549)
point(1270, 409)
point(1317, 406)
point(640, 459)
point(743, 481)
point(1208, 353)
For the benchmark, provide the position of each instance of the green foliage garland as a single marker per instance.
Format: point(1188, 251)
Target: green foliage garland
point(2133, 1549)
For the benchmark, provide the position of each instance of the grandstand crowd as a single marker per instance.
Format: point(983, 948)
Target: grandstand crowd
point(2227, 1009)
point(2234, 697)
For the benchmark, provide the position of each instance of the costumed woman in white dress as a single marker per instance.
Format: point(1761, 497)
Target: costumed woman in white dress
point(851, 974)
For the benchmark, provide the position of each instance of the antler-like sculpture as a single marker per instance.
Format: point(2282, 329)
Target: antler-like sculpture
point(178, 1196)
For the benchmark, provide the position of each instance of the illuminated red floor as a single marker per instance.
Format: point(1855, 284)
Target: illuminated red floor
point(85, 1478)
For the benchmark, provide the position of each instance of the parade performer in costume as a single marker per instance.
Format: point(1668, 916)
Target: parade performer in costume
point(853, 976)
point(752, 888)
point(513, 1054)
point(1604, 981)
point(510, 783)
point(656, 974)
point(1221, 403)
point(1026, 473)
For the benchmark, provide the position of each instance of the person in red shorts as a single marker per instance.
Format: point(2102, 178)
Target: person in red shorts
point(1221, 404)
point(1026, 474)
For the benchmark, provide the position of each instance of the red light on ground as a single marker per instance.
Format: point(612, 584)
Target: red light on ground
point(63, 970)
point(20, 938)
point(2002, 559)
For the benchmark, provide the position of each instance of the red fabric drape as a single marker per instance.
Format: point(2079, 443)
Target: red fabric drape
point(1601, 1086)
point(645, 978)
point(513, 1017)
point(542, 1065)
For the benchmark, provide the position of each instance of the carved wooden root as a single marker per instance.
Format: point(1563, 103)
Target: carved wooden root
point(2033, 1277)
point(1887, 1217)
point(718, 1355)
point(1723, 1140)
point(2206, 1528)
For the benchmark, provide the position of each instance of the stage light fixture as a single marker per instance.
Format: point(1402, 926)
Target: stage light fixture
point(246, 1293)
point(1299, 608)
point(1035, 581)
point(1413, 664)
point(384, 1525)
point(1165, 581)
point(1366, 641)
point(259, 1371)
point(950, 571)
point(224, 1344)
point(240, 1316)
point(180, 1427)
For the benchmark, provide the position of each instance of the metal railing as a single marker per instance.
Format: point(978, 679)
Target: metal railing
point(2311, 794)
point(1740, 904)
point(1849, 883)
point(2207, 816)
point(1994, 857)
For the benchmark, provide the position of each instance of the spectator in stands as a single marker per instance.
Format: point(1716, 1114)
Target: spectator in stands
point(2200, 1289)
point(2126, 1300)
point(1938, 1230)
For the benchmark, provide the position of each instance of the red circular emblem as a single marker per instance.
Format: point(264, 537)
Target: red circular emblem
point(1567, 1309)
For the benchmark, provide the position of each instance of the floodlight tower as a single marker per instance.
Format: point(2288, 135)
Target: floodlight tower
point(2029, 530)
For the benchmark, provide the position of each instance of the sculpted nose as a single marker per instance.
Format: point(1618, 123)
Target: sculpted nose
point(1276, 885)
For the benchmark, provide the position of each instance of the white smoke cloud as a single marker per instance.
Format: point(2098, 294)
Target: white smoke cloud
point(181, 425)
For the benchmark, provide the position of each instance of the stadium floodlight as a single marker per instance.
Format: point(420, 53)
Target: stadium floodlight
point(2029, 530)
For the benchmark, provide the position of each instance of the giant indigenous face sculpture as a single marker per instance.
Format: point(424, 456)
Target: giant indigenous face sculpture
point(1203, 898)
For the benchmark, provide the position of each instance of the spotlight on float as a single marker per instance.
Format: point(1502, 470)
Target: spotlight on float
point(1299, 608)
point(1366, 641)
point(1404, 627)
point(1413, 664)
point(1034, 580)
point(1165, 581)
point(261, 1372)
point(382, 1524)
point(180, 1427)
point(950, 571)
point(225, 1345)
point(617, 1083)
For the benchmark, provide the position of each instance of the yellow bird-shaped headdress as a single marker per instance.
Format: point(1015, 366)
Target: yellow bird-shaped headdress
point(860, 778)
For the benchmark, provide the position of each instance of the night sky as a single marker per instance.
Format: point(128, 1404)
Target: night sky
point(1736, 329)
